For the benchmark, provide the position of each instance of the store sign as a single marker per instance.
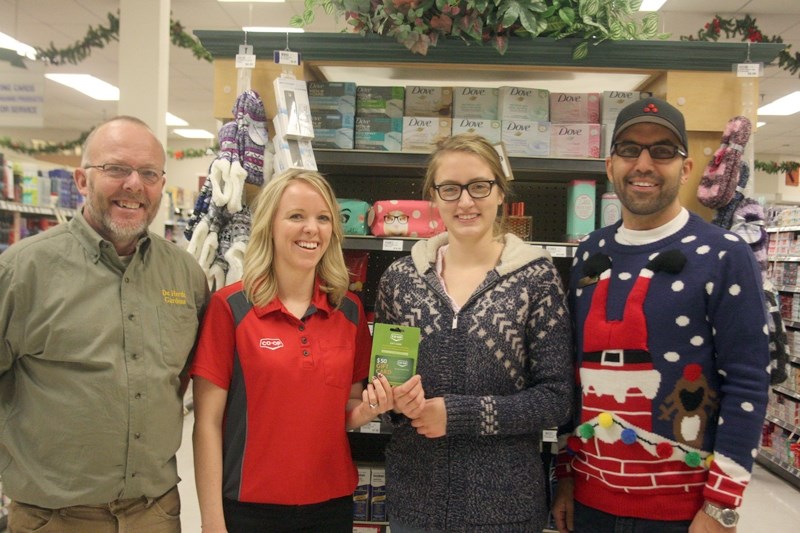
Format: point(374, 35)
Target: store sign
point(21, 99)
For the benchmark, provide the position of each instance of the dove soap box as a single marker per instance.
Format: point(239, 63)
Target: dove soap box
point(332, 96)
point(525, 138)
point(420, 134)
point(423, 101)
point(394, 352)
point(379, 133)
point(373, 101)
point(522, 103)
point(475, 102)
point(490, 129)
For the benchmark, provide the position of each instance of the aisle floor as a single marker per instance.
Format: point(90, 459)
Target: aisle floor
point(771, 505)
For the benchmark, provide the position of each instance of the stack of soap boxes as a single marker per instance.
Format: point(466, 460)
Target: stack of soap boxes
point(426, 117)
point(379, 118)
point(369, 498)
point(333, 112)
point(293, 125)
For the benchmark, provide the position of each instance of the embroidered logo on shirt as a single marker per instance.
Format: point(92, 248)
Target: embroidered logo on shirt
point(270, 344)
point(173, 297)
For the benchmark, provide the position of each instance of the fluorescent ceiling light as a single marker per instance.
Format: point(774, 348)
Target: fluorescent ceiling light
point(6, 41)
point(88, 85)
point(272, 29)
point(172, 120)
point(651, 5)
point(786, 105)
point(193, 133)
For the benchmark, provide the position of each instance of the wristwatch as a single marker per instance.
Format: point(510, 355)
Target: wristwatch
point(726, 517)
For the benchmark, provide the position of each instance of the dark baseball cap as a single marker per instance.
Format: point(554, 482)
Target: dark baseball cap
point(653, 111)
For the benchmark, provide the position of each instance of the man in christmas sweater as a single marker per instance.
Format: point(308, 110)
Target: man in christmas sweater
point(672, 351)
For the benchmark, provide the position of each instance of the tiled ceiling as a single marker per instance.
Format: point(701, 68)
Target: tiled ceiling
point(62, 22)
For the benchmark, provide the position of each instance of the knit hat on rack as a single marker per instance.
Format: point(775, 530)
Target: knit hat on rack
point(724, 217)
point(251, 134)
point(200, 209)
point(718, 184)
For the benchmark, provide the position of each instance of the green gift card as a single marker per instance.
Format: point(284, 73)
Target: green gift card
point(394, 352)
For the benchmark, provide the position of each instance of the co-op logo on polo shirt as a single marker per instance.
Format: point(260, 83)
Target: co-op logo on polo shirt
point(270, 344)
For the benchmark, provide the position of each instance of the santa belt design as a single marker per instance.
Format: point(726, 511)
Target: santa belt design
point(618, 357)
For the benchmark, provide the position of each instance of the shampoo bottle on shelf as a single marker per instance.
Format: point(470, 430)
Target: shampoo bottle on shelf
point(610, 207)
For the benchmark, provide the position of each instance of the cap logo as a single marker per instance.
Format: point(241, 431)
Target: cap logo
point(650, 108)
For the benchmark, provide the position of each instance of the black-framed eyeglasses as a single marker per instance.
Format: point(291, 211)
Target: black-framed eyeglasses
point(450, 192)
point(148, 175)
point(401, 219)
point(661, 151)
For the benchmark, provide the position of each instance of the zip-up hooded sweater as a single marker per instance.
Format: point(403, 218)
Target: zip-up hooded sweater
point(503, 366)
point(673, 366)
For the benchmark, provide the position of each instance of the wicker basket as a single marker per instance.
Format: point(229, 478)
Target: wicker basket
point(519, 226)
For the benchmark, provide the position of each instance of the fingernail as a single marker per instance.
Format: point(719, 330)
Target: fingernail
point(380, 375)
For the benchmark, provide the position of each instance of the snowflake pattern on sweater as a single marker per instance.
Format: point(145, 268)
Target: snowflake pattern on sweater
point(673, 370)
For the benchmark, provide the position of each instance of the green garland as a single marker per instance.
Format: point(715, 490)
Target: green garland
point(749, 31)
point(102, 35)
point(772, 167)
point(52, 148)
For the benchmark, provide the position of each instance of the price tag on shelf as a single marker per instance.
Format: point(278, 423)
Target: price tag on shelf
point(392, 245)
point(371, 427)
point(286, 57)
point(557, 251)
point(550, 435)
point(749, 70)
point(245, 58)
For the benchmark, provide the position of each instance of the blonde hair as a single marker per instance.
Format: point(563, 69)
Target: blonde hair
point(260, 284)
point(468, 143)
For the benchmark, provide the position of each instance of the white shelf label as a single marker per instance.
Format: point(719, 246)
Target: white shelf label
point(749, 70)
point(286, 57)
point(392, 245)
point(550, 435)
point(557, 251)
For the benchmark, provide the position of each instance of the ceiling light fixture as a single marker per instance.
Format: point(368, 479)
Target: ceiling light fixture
point(272, 29)
point(651, 5)
point(786, 105)
point(172, 120)
point(88, 85)
point(190, 133)
point(6, 41)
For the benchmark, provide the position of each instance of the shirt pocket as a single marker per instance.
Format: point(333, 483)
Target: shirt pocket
point(177, 327)
point(337, 363)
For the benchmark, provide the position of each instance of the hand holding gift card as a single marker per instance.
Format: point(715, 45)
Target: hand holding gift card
point(394, 352)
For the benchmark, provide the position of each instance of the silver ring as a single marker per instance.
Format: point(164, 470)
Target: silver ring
point(373, 405)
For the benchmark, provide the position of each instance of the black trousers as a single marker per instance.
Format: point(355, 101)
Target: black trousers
point(332, 516)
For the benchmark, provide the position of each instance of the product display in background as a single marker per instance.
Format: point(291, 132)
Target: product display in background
point(354, 216)
point(420, 134)
point(404, 218)
point(357, 262)
point(580, 209)
point(422, 101)
point(610, 206)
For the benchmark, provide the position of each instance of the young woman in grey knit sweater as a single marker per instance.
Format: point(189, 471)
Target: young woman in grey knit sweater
point(494, 361)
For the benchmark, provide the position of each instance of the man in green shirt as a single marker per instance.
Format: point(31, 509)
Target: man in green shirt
point(98, 318)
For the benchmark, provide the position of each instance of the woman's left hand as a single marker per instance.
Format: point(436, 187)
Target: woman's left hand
point(377, 396)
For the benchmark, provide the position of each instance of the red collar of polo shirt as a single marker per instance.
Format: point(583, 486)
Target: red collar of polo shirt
point(319, 300)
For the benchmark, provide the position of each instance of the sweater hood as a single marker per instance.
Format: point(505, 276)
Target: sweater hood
point(515, 255)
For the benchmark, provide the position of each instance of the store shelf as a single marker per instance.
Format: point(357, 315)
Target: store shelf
point(374, 163)
point(783, 229)
point(787, 392)
point(782, 468)
point(791, 323)
point(36, 209)
point(788, 288)
point(404, 244)
point(784, 258)
point(783, 423)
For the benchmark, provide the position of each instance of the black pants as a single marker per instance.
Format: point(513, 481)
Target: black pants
point(332, 516)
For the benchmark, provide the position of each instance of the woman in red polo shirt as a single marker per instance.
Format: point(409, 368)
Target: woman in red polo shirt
point(279, 373)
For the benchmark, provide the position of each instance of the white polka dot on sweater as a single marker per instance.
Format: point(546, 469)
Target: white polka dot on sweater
point(722, 373)
point(747, 407)
point(575, 260)
point(653, 256)
point(754, 452)
point(721, 254)
point(697, 340)
point(731, 237)
point(766, 329)
point(601, 243)
point(677, 286)
point(672, 357)
point(682, 321)
point(720, 421)
point(578, 292)
point(585, 255)
point(769, 369)
point(703, 250)
point(709, 287)
point(624, 276)
point(689, 238)
point(735, 290)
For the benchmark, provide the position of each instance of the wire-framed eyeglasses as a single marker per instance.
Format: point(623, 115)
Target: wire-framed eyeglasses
point(450, 192)
point(148, 175)
point(662, 151)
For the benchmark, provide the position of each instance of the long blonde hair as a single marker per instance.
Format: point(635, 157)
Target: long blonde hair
point(259, 281)
point(468, 143)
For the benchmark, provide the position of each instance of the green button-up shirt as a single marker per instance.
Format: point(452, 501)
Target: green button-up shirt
point(91, 357)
